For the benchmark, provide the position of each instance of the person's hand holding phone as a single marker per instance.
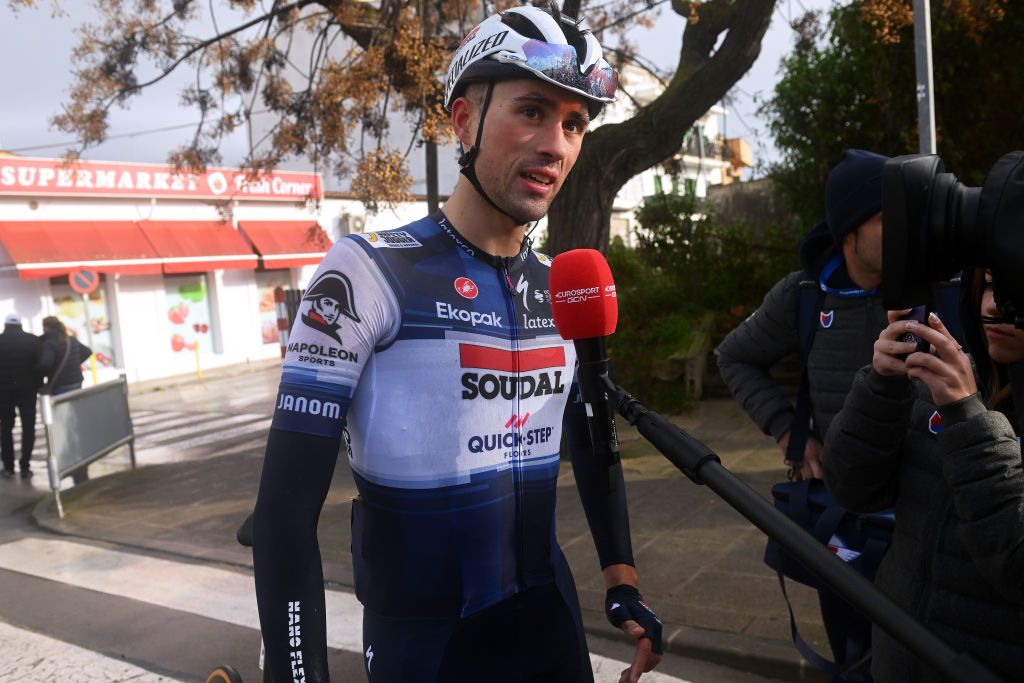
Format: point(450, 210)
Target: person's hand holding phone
point(893, 345)
point(946, 369)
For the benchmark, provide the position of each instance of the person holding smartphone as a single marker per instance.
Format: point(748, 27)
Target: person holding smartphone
point(934, 436)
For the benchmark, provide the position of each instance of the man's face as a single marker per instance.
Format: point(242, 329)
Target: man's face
point(532, 136)
point(868, 243)
point(328, 309)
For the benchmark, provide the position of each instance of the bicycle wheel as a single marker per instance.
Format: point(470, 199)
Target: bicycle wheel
point(224, 674)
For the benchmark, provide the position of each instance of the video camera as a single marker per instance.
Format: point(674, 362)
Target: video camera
point(935, 225)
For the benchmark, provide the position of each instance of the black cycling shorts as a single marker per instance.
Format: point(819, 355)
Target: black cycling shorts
point(533, 637)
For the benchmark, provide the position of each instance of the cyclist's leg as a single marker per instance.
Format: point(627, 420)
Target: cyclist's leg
point(529, 637)
point(403, 650)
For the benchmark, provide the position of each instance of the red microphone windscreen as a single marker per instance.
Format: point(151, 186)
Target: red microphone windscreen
point(583, 299)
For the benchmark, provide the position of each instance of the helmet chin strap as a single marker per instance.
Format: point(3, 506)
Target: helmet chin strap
point(468, 159)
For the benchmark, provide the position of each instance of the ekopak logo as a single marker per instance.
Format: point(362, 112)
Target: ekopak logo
point(466, 288)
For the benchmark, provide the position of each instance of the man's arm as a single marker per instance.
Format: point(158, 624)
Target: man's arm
point(316, 385)
point(608, 519)
point(747, 354)
point(297, 471)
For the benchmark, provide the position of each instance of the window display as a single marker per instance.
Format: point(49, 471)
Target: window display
point(94, 331)
point(188, 312)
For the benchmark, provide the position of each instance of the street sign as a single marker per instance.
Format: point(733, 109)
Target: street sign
point(83, 280)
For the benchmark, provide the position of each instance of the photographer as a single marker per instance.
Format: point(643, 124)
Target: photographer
point(925, 433)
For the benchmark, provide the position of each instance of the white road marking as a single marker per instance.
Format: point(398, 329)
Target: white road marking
point(30, 656)
point(207, 591)
point(197, 589)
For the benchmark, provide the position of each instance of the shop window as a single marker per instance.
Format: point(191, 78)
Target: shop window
point(94, 329)
point(188, 313)
point(266, 282)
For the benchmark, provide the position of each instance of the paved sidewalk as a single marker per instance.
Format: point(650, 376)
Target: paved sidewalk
point(699, 560)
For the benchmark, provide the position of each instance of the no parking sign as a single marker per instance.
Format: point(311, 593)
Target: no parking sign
point(83, 280)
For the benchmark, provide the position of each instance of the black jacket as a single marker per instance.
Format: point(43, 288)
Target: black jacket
point(53, 352)
point(746, 356)
point(957, 558)
point(19, 356)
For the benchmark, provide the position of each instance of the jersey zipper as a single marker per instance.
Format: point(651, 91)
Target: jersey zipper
point(517, 483)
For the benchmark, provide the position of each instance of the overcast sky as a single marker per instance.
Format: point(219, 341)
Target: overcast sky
point(35, 50)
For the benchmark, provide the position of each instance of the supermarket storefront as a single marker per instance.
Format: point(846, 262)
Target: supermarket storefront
point(186, 265)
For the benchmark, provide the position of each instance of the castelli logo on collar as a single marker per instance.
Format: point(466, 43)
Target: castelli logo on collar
point(827, 318)
point(935, 423)
point(466, 288)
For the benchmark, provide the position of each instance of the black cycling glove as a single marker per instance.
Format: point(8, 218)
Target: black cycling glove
point(624, 602)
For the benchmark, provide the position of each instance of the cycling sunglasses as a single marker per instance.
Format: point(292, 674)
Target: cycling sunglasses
point(559, 64)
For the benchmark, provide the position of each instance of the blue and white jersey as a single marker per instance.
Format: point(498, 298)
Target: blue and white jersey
point(442, 369)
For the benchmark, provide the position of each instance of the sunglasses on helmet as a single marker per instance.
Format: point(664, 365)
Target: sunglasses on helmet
point(559, 64)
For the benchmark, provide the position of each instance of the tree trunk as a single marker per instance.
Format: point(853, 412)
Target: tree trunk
point(612, 154)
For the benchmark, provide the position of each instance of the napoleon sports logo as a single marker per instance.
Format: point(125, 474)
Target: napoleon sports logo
point(935, 425)
point(826, 318)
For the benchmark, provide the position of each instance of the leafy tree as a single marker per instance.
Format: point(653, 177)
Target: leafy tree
point(690, 279)
point(334, 109)
point(853, 84)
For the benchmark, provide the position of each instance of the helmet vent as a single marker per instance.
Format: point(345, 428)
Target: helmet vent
point(522, 26)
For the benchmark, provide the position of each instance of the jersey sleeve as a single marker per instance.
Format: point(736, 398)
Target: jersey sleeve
point(347, 310)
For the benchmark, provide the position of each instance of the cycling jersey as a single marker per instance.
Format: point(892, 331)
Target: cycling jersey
point(441, 369)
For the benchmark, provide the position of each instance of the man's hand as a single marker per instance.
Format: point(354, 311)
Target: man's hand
point(810, 466)
point(626, 609)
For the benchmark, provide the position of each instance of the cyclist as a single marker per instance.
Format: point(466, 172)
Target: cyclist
point(445, 378)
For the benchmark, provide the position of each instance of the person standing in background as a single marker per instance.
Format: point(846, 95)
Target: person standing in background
point(61, 358)
point(19, 381)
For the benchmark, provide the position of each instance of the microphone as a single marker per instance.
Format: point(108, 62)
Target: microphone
point(586, 310)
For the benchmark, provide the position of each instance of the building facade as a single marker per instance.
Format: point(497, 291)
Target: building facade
point(186, 264)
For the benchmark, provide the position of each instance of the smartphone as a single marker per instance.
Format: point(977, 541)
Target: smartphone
point(920, 314)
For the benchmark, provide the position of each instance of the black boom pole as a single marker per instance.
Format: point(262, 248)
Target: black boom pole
point(703, 466)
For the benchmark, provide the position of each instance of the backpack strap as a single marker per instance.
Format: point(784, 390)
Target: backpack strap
point(810, 297)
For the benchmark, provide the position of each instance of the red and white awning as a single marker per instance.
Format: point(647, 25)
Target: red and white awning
point(287, 244)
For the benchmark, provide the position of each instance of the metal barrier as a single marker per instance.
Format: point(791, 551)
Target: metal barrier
point(83, 426)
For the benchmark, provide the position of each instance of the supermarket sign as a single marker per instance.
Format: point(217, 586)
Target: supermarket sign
point(52, 177)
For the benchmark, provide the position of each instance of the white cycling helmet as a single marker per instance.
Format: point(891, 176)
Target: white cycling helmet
point(528, 41)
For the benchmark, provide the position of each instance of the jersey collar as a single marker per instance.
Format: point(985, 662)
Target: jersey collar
point(507, 262)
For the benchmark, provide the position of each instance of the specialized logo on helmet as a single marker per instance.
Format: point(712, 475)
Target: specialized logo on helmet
point(827, 318)
point(935, 425)
point(466, 55)
point(466, 288)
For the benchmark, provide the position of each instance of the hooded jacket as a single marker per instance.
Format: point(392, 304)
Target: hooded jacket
point(843, 343)
point(955, 477)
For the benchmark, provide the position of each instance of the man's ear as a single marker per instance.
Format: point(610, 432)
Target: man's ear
point(464, 121)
